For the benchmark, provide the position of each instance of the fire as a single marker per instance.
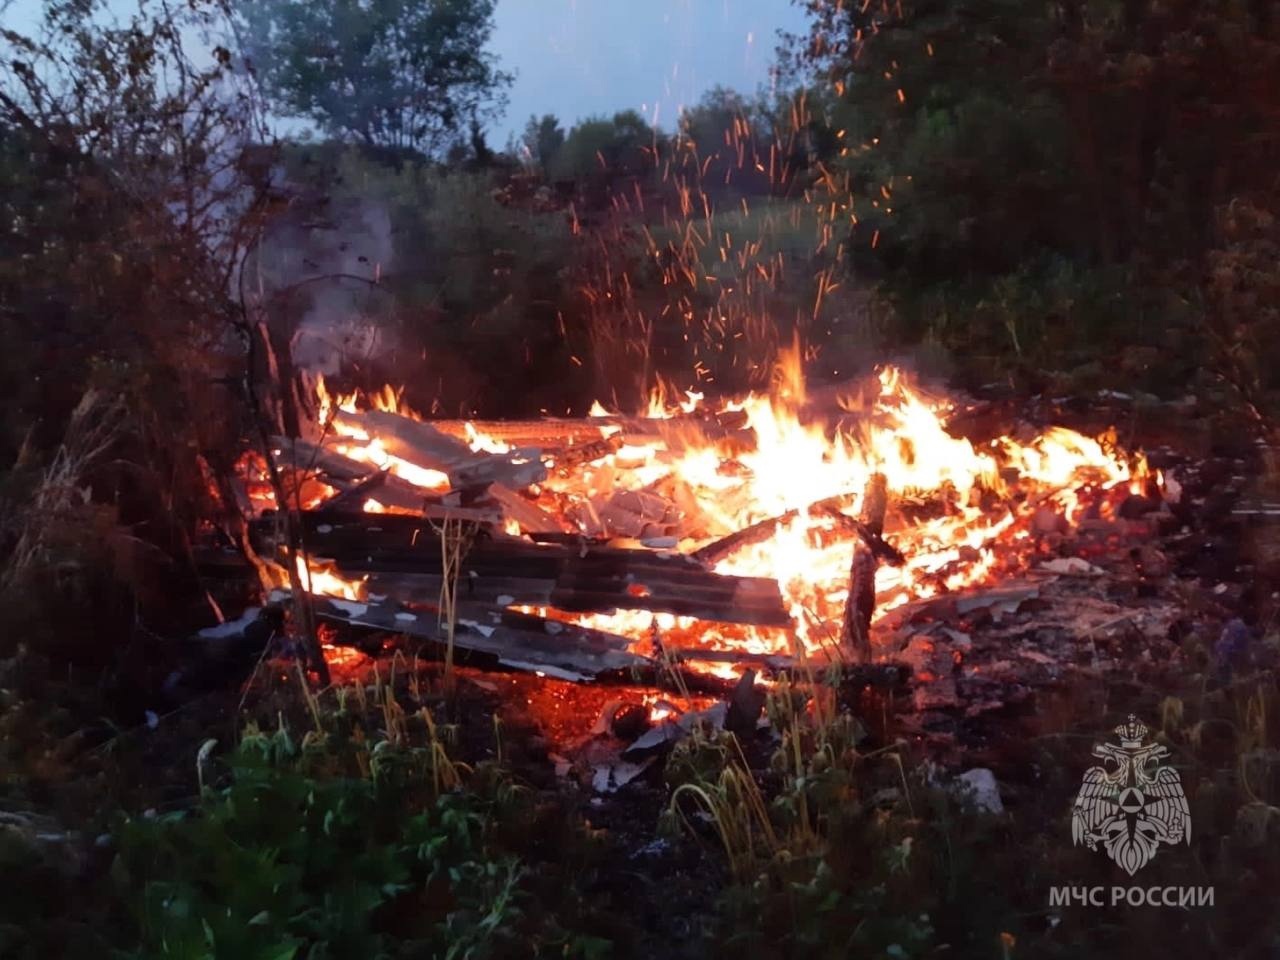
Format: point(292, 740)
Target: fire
point(903, 437)
point(316, 579)
point(973, 522)
point(483, 442)
point(373, 452)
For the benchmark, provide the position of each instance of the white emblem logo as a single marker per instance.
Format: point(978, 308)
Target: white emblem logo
point(1130, 805)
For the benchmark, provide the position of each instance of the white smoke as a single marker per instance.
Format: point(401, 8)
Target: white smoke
point(328, 256)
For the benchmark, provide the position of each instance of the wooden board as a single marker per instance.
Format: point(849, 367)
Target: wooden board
point(402, 558)
point(521, 642)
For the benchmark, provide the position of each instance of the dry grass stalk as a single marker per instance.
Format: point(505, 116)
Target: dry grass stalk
point(455, 540)
point(93, 429)
point(446, 774)
point(737, 810)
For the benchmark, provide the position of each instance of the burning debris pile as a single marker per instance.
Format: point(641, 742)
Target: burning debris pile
point(765, 531)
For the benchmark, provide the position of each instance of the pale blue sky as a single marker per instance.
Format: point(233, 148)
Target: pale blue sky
point(576, 58)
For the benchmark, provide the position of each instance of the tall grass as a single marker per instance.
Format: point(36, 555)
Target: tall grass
point(61, 493)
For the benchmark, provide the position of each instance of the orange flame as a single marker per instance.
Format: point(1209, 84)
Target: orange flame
point(789, 466)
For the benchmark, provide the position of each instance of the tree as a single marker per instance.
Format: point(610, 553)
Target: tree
point(600, 148)
point(390, 73)
point(542, 139)
point(124, 159)
point(979, 130)
point(142, 179)
point(731, 137)
point(1047, 175)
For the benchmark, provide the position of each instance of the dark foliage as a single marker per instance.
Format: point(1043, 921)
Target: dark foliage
point(995, 152)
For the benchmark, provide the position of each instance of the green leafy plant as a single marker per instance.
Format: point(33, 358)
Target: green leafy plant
point(282, 863)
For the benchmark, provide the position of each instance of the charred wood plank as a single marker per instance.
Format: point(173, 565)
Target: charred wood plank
point(577, 540)
point(402, 556)
point(530, 517)
point(423, 445)
point(518, 641)
point(562, 434)
point(730, 609)
point(548, 433)
point(492, 591)
point(763, 530)
point(352, 499)
point(884, 551)
point(519, 468)
point(758, 532)
point(358, 535)
point(412, 440)
point(483, 516)
point(741, 602)
point(394, 492)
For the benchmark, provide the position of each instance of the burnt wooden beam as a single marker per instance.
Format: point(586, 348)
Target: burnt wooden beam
point(884, 551)
point(861, 603)
point(550, 432)
point(395, 492)
point(758, 532)
point(519, 468)
point(763, 530)
point(741, 601)
point(494, 591)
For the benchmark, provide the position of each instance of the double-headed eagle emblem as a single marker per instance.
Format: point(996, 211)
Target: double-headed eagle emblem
point(1130, 805)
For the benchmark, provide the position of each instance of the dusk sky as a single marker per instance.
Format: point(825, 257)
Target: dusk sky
point(577, 58)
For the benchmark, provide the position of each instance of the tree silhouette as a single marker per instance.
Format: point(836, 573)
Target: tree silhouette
point(390, 73)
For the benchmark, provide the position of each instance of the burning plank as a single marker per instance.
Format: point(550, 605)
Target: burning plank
point(607, 579)
point(384, 488)
point(337, 470)
point(422, 445)
point(678, 431)
point(524, 512)
point(764, 530)
point(579, 454)
point(412, 440)
point(519, 468)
